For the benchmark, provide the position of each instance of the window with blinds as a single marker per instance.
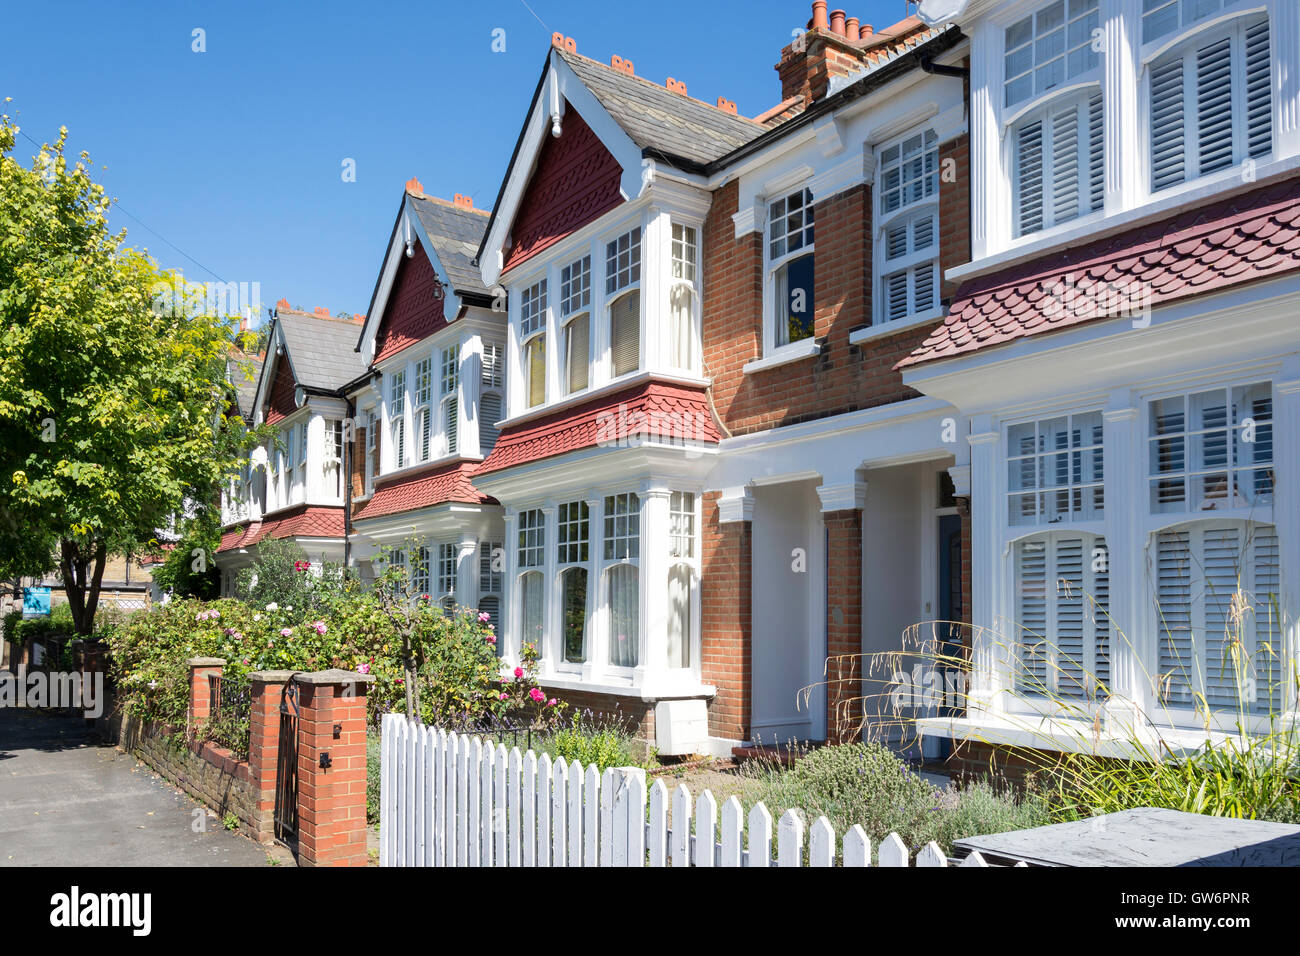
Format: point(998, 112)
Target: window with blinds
point(684, 338)
point(372, 450)
point(450, 401)
point(1216, 595)
point(421, 559)
point(491, 404)
point(910, 282)
point(423, 412)
point(491, 584)
point(1210, 104)
point(535, 370)
point(1058, 164)
point(575, 306)
point(532, 604)
point(1063, 638)
point(625, 333)
point(446, 580)
point(397, 416)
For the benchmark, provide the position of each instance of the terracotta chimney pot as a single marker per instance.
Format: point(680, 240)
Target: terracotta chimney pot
point(851, 29)
point(837, 22)
point(413, 186)
point(819, 15)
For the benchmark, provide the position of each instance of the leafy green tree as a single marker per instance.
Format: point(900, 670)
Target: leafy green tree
point(113, 401)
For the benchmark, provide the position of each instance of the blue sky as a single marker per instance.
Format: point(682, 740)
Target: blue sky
point(235, 155)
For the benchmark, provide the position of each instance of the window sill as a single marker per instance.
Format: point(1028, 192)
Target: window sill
point(1067, 735)
point(786, 354)
point(886, 329)
point(663, 688)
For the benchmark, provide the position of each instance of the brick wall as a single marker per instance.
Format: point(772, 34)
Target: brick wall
point(633, 714)
point(725, 589)
point(844, 704)
point(843, 377)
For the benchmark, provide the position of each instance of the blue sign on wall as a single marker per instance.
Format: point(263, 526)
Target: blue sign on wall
point(36, 602)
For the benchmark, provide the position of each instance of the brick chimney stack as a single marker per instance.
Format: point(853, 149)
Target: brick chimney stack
point(834, 45)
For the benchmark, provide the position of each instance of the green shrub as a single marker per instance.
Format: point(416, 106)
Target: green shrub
point(599, 739)
point(868, 785)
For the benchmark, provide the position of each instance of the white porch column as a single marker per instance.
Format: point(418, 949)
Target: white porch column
point(991, 668)
point(1131, 647)
point(467, 569)
point(508, 639)
point(1120, 105)
point(652, 654)
point(1286, 508)
point(1285, 33)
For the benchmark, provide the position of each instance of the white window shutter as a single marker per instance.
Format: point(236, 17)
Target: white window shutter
point(1174, 600)
point(1065, 164)
point(1259, 91)
point(452, 424)
point(1214, 106)
point(489, 413)
point(1168, 136)
point(1031, 615)
point(1096, 154)
point(1029, 177)
point(577, 347)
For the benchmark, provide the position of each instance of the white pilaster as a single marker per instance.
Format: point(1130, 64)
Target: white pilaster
point(652, 660)
point(1120, 75)
point(1131, 647)
point(1284, 31)
point(597, 640)
point(1286, 508)
point(551, 634)
point(467, 569)
point(991, 669)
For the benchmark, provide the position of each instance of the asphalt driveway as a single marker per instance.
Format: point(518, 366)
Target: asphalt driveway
point(66, 800)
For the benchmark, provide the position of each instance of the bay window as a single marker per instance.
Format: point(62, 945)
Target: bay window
point(623, 293)
point(1210, 101)
point(907, 234)
point(622, 552)
point(449, 403)
point(334, 476)
point(532, 333)
point(491, 400)
point(529, 557)
point(790, 263)
point(575, 319)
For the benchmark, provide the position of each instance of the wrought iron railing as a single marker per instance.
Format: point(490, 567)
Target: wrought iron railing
point(229, 705)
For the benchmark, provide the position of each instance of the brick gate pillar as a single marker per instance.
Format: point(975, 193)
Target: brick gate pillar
point(203, 670)
point(332, 768)
point(842, 515)
point(265, 690)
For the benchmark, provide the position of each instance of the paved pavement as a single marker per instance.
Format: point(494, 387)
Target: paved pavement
point(66, 800)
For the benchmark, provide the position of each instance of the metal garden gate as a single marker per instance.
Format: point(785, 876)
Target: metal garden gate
point(286, 773)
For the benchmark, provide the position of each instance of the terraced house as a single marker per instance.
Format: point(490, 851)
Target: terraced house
point(980, 327)
point(1124, 344)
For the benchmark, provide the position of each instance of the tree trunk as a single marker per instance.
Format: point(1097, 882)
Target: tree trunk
point(82, 588)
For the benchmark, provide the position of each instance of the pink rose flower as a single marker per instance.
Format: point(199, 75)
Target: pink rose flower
point(536, 695)
point(491, 638)
point(484, 617)
point(319, 627)
point(551, 703)
point(286, 632)
point(505, 696)
point(519, 672)
point(363, 669)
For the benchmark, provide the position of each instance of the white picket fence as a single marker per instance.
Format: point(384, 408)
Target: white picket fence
point(452, 800)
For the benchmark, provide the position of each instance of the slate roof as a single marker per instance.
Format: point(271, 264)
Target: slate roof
point(322, 351)
point(455, 233)
point(301, 521)
point(656, 118)
point(650, 410)
point(1252, 236)
point(423, 489)
point(243, 372)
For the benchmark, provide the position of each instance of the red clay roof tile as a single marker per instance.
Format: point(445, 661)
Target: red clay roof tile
point(424, 489)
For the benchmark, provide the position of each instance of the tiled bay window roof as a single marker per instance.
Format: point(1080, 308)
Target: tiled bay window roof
point(301, 521)
point(423, 489)
point(1248, 237)
point(654, 410)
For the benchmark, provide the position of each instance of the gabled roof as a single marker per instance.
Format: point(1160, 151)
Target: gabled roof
point(321, 350)
point(1251, 236)
point(243, 372)
point(667, 125)
point(455, 233)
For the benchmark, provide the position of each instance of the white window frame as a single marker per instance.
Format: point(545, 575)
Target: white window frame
point(684, 298)
point(398, 429)
point(422, 412)
point(907, 212)
point(1089, 451)
point(775, 342)
point(373, 446)
point(449, 399)
point(620, 281)
point(610, 558)
point(684, 508)
point(491, 586)
point(533, 321)
point(573, 553)
point(492, 384)
point(575, 304)
point(443, 574)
